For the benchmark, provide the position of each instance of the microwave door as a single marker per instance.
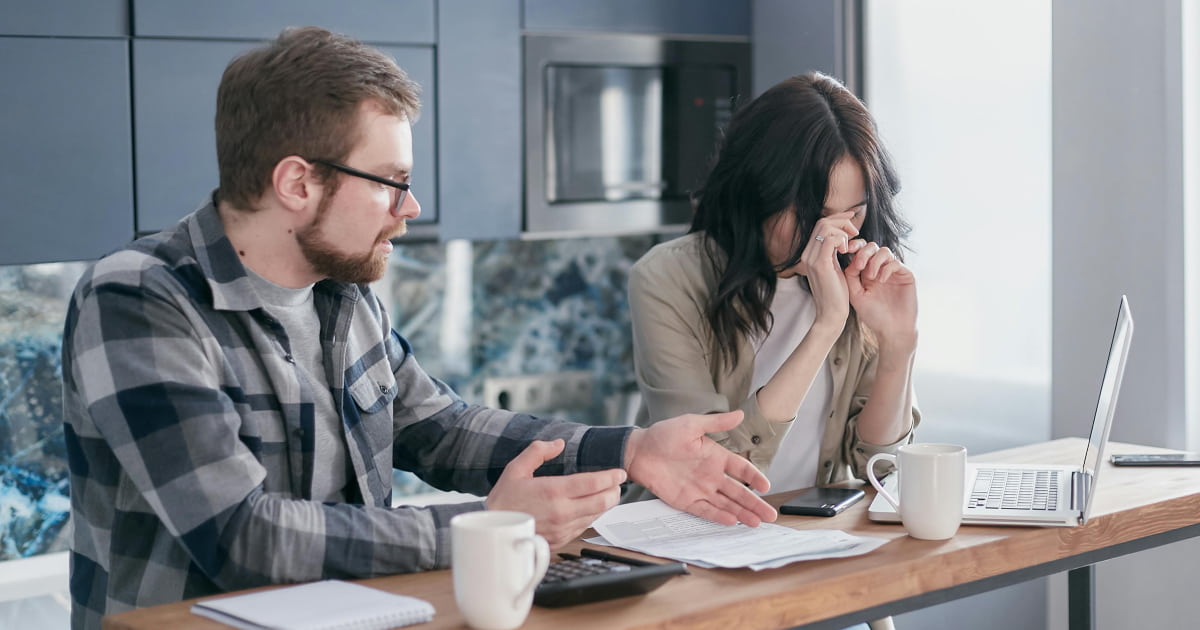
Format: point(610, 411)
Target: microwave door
point(604, 139)
point(619, 129)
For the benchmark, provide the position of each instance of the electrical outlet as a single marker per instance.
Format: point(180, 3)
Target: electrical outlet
point(540, 393)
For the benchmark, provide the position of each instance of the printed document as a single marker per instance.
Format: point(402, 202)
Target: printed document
point(657, 529)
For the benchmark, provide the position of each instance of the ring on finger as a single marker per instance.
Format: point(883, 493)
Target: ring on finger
point(818, 238)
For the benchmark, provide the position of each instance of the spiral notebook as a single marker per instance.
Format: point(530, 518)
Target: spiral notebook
point(326, 605)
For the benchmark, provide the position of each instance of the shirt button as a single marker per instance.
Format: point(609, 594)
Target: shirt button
point(828, 464)
point(830, 414)
point(289, 358)
point(837, 360)
point(754, 439)
point(383, 389)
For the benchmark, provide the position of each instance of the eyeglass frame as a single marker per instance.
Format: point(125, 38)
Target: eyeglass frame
point(403, 187)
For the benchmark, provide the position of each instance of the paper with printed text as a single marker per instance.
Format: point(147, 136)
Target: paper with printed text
point(657, 529)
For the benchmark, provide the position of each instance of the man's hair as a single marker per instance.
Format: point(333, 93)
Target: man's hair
point(300, 95)
point(776, 156)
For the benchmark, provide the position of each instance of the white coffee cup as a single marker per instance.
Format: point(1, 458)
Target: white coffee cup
point(497, 561)
point(931, 488)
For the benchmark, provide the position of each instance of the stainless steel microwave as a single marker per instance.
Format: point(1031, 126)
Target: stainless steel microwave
point(619, 129)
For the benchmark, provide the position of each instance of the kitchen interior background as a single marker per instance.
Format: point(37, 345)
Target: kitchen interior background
point(991, 340)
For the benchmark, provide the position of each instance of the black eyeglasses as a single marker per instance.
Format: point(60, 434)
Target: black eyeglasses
point(401, 187)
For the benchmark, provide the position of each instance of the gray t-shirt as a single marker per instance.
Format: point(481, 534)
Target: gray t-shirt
point(295, 310)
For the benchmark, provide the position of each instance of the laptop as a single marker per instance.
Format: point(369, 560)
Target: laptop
point(1032, 494)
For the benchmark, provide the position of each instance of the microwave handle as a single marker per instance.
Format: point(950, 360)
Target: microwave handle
point(637, 185)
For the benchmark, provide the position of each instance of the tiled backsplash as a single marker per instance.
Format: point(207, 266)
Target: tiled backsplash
point(475, 310)
point(34, 500)
point(470, 310)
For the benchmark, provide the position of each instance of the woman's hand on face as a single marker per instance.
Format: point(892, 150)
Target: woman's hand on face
point(832, 235)
point(883, 292)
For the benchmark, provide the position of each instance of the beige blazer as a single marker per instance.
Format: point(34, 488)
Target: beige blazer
point(677, 371)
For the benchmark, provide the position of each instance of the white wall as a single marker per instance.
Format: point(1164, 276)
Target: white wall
point(1019, 280)
point(966, 114)
point(961, 93)
point(1119, 227)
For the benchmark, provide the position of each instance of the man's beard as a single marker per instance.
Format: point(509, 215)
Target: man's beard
point(332, 264)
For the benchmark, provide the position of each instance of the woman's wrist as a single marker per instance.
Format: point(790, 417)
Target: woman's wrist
point(827, 327)
point(898, 347)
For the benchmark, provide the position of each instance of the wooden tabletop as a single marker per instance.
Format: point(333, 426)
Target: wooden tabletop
point(1131, 503)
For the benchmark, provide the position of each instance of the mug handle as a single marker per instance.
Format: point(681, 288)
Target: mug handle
point(875, 481)
point(541, 562)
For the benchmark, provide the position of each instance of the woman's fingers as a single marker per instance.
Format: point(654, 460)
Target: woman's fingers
point(881, 256)
point(889, 270)
point(835, 225)
point(823, 247)
point(875, 264)
point(862, 258)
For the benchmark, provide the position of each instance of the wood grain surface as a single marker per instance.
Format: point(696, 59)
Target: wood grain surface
point(1131, 503)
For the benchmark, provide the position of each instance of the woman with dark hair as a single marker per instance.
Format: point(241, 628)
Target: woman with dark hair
point(788, 298)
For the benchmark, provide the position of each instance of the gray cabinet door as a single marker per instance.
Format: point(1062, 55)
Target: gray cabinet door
point(479, 96)
point(175, 90)
point(394, 21)
point(174, 101)
point(417, 61)
point(65, 18)
point(792, 38)
point(65, 181)
point(684, 17)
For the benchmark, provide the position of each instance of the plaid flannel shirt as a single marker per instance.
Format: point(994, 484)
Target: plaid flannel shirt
point(189, 433)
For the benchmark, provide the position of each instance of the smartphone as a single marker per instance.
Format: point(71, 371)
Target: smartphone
point(1156, 459)
point(822, 501)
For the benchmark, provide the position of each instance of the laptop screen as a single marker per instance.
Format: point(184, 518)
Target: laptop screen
point(1110, 384)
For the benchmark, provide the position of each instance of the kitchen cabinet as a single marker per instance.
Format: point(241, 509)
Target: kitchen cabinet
point(418, 62)
point(174, 101)
point(479, 125)
point(147, 72)
point(175, 89)
point(380, 21)
point(65, 171)
point(792, 38)
point(675, 17)
point(65, 18)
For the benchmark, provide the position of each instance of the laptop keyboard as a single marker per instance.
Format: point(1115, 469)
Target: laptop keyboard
point(1002, 489)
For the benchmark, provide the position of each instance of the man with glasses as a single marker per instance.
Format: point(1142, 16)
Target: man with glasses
point(236, 399)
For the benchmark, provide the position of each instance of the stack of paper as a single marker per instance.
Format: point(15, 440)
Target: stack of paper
point(657, 529)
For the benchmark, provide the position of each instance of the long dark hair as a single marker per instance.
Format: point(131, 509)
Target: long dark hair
point(776, 155)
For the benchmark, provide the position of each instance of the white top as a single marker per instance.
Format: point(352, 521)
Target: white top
point(794, 311)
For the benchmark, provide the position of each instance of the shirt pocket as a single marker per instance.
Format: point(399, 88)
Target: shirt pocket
point(375, 389)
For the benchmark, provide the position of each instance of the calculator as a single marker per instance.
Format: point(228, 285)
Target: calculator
point(579, 580)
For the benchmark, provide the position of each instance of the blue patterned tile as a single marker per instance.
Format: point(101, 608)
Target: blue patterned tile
point(536, 307)
point(34, 503)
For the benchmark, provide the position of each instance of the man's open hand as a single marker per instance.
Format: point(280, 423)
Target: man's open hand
point(689, 471)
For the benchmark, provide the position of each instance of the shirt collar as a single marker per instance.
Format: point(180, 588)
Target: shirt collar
point(227, 278)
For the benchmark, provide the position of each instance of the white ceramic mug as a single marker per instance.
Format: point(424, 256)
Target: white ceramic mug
point(931, 488)
point(497, 561)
